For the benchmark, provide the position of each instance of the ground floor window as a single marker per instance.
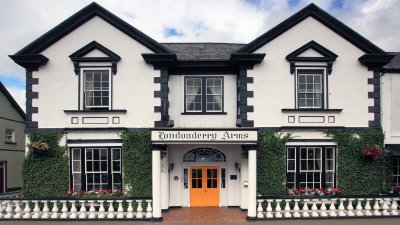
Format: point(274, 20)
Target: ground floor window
point(396, 170)
point(3, 186)
point(311, 166)
point(95, 168)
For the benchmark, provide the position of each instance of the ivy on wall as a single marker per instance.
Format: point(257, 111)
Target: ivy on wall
point(136, 156)
point(45, 176)
point(356, 174)
point(271, 163)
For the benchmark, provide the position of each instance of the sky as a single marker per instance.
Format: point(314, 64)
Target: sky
point(233, 21)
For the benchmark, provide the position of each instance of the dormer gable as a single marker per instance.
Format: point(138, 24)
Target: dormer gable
point(95, 52)
point(311, 52)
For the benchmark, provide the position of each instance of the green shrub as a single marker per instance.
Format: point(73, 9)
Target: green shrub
point(271, 163)
point(136, 156)
point(47, 175)
point(356, 174)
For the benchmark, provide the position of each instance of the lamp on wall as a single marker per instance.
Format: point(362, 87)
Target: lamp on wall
point(171, 166)
point(237, 166)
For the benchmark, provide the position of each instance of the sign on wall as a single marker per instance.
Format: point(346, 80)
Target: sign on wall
point(245, 136)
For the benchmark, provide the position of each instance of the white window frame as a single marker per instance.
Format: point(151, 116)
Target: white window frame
point(10, 135)
point(201, 94)
point(95, 172)
point(221, 94)
point(82, 82)
point(76, 172)
point(324, 95)
point(112, 166)
point(295, 164)
point(333, 170)
point(396, 175)
point(314, 160)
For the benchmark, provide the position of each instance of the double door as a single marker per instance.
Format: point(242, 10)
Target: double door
point(204, 186)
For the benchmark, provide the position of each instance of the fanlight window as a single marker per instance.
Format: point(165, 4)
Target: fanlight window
point(204, 155)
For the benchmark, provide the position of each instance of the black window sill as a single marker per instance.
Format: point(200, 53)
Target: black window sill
point(313, 110)
point(10, 142)
point(97, 111)
point(204, 113)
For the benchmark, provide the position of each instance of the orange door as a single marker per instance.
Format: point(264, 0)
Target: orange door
point(204, 186)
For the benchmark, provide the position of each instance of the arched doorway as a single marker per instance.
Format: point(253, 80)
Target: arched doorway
point(204, 179)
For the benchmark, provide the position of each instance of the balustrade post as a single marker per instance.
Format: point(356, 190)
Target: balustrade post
point(323, 208)
point(278, 208)
point(45, 210)
point(149, 209)
point(341, 208)
point(269, 209)
point(385, 207)
point(139, 210)
point(120, 210)
point(17, 209)
point(350, 207)
point(359, 208)
point(110, 211)
point(8, 210)
point(74, 210)
point(314, 208)
point(260, 208)
point(92, 210)
point(82, 210)
point(36, 210)
point(367, 207)
point(296, 208)
point(1, 210)
point(287, 209)
point(54, 210)
point(332, 208)
point(394, 207)
point(27, 210)
point(376, 208)
point(305, 208)
point(101, 210)
point(64, 209)
point(130, 209)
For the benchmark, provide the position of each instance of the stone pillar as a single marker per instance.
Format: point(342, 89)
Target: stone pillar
point(156, 181)
point(252, 204)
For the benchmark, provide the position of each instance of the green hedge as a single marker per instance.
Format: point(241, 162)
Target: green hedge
point(357, 175)
point(271, 163)
point(136, 156)
point(45, 176)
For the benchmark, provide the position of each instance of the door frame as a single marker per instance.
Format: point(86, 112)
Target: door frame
point(3, 164)
point(204, 180)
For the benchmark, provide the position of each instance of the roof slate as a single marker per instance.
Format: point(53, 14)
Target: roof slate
point(395, 62)
point(203, 51)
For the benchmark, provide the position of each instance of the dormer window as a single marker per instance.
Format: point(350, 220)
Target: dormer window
point(311, 64)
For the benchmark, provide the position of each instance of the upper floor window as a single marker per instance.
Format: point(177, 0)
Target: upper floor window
point(96, 89)
point(396, 170)
point(203, 94)
point(310, 88)
point(10, 135)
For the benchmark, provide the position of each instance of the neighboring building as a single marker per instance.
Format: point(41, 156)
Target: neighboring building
point(94, 76)
point(391, 111)
point(12, 142)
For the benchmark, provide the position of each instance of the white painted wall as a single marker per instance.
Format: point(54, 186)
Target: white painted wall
point(177, 105)
point(274, 85)
point(230, 196)
point(133, 84)
point(391, 107)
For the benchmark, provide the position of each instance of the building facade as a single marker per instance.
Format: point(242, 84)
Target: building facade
point(12, 142)
point(95, 76)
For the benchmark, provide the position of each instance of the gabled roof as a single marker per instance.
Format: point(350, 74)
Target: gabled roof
point(9, 97)
point(80, 18)
point(324, 18)
point(394, 64)
point(203, 51)
point(326, 53)
point(80, 54)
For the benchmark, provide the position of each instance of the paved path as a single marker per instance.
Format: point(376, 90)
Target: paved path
point(384, 221)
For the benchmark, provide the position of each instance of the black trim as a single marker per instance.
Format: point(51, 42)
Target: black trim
point(204, 96)
point(163, 108)
point(392, 146)
point(375, 95)
point(313, 110)
point(242, 96)
point(23, 122)
point(79, 56)
point(79, 141)
point(29, 124)
point(96, 111)
point(5, 178)
point(11, 150)
point(82, 17)
point(375, 61)
point(324, 18)
point(29, 61)
point(323, 119)
point(310, 140)
point(328, 56)
point(13, 103)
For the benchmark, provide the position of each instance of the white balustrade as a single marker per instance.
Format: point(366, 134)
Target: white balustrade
point(120, 210)
point(341, 209)
point(54, 210)
point(314, 209)
point(27, 210)
point(367, 208)
point(278, 209)
point(323, 208)
point(64, 210)
point(101, 215)
point(394, 206)
point(332, 208)
point(17, 210)
point(260, 209)
point(287, 209)
point(110, 211)
point(385, 207)
point(376, 208)
point(36, 210)
point(130, 210)
point(8, 210)
point(296, 208)
point(359, 209)
point(139, 209)
point(74, 210)
point(92, 210)
point(350, 207)
point(45, 210)
point(305, 208)
point(149, 209)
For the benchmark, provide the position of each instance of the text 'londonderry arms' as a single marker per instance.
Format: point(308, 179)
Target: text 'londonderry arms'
point(202, 136)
